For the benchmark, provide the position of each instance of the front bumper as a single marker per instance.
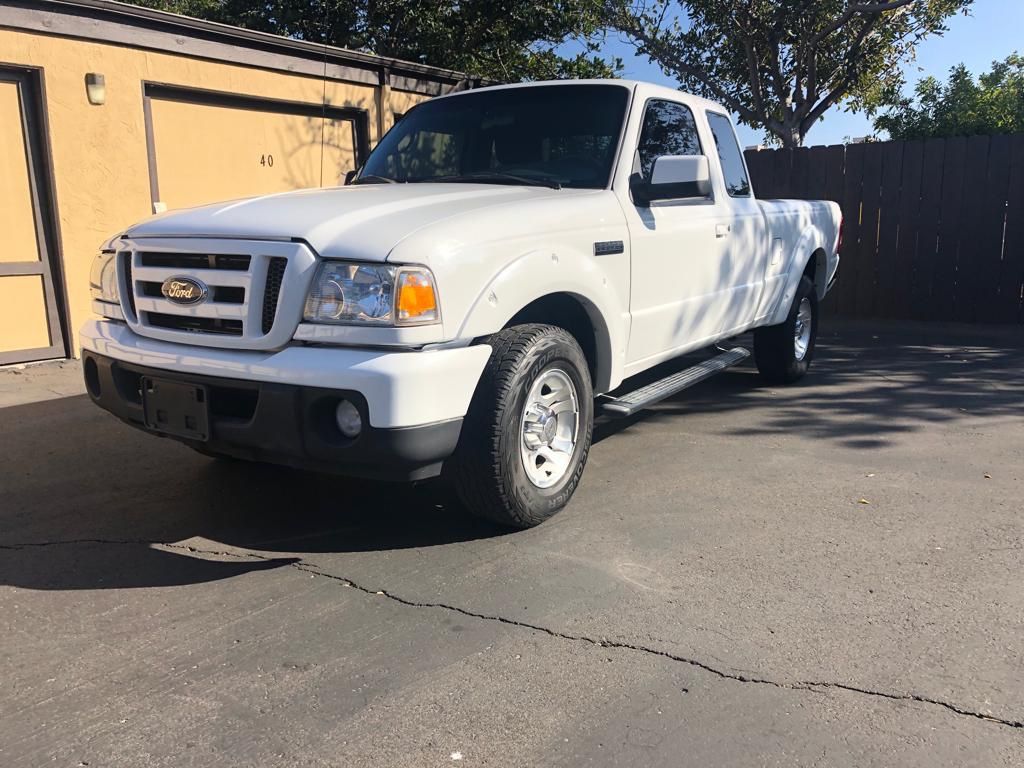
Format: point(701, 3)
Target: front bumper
point(401, 388)
point(281, 423)
point(278, 406)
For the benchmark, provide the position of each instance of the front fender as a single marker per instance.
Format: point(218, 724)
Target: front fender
point(544, 272)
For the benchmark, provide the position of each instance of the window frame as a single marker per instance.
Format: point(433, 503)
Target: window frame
point(743, 160)
point(619, 140)
point(643, 118)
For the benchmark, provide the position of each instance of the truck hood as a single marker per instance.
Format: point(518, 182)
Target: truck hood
point(362, 222)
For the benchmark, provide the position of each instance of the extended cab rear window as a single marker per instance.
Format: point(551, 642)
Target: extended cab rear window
point(734, 171)
point(567, 134)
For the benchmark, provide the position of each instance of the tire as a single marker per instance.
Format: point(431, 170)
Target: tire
point(781, 357)
point(501, 469)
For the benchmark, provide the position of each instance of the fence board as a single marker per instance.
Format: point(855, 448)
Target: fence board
point(798, 180)
point(879, 302)
point(934, 229)
point(759, 167)
point(928, 227)
point(1011, 280)
point(782, 168)
point(851, 205)
point(867, 252)
point(987, 257)
point(944, 273)
point(902, 270)
point(968, 288)
point(835, 160)
point(817, 170)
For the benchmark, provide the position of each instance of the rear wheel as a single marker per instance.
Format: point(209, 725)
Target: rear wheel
point(527, 434)
point(783, 352)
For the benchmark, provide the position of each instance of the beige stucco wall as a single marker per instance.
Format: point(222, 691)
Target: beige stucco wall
point(401, 102)
point(99, 152)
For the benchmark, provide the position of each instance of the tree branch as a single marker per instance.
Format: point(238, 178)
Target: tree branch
point(657, 50)
point(855, 9)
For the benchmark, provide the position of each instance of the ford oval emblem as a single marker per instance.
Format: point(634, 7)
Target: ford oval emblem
point(183, 290)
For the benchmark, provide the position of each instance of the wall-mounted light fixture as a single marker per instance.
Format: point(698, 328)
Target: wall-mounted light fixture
point(95, 88)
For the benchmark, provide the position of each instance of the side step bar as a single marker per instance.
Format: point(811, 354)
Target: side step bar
point(645, 397)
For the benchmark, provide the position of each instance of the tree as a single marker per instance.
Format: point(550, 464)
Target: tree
point(504, 40)
point(994, 103)
point(781, 64)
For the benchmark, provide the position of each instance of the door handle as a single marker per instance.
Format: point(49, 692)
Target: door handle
point(722, 230)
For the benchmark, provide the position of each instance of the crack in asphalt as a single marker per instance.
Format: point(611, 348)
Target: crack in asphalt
point(315, 570)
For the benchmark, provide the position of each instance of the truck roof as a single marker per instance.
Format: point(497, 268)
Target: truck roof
point(643, 89)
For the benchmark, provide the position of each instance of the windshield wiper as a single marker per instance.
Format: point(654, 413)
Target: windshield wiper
point(372, 179)
point(495, 177)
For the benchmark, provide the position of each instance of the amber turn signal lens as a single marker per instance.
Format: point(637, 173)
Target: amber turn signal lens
point(417, 301)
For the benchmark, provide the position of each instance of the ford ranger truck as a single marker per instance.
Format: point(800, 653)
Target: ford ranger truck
point(503, 263)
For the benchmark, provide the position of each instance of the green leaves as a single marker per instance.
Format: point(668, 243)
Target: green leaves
point(781, 64)
point(505, 40)
point(962, 106)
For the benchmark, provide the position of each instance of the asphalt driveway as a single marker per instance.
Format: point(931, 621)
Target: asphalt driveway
point(831, 574)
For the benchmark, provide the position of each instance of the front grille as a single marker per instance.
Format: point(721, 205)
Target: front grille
point(126, 265)
point(223, 326)
point(234, 262)
point(275, 274)
point(248, 293)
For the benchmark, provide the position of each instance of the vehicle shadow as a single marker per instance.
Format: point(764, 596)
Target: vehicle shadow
point(869, 384)
point(89, 503)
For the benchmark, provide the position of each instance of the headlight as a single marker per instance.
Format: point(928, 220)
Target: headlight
point(103, 278)
point(350, 293)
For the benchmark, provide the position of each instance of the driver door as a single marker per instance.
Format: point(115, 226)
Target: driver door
point(676, 249)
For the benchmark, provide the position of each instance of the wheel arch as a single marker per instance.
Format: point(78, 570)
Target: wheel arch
point(808, 258)
point(575, 314)
point(568, 291)
point(816, 270)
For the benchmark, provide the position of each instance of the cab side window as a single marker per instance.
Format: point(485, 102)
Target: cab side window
point(668, 129)
point(733, 169)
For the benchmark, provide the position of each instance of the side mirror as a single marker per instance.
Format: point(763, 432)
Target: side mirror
point(349, 175)
point(674, 177)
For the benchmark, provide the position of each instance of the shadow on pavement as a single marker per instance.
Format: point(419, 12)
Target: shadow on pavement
point(89, 503)
point(868, 384)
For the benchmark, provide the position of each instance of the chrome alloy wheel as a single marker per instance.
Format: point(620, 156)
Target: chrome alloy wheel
point(550, 424)
point(802, 330)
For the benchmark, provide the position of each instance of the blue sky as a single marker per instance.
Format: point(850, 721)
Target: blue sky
point(992, 31)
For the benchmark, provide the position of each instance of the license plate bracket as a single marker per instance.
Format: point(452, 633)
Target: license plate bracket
point(175, 408)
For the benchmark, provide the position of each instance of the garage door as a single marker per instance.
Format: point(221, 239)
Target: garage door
point(29, 324)
point(207, 147)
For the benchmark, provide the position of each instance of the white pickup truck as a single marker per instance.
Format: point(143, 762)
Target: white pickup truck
point(506, 259)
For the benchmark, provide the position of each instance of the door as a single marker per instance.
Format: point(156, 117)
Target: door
point(745, 252)
point(30, 326)
point(208, 147)
point(676, 250)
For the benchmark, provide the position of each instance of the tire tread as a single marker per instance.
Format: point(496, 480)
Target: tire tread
point(478, 465)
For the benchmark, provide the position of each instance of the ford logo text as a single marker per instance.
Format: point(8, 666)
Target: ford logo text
point(183, 290)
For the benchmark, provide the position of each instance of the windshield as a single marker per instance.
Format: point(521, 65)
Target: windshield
point(558, 135)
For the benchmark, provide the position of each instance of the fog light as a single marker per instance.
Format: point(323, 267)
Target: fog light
point(349, 421)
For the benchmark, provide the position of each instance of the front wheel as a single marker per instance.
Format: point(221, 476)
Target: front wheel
point(783, 352)
point(527, 434)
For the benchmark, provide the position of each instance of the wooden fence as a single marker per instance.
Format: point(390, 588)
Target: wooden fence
point(934, 229)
